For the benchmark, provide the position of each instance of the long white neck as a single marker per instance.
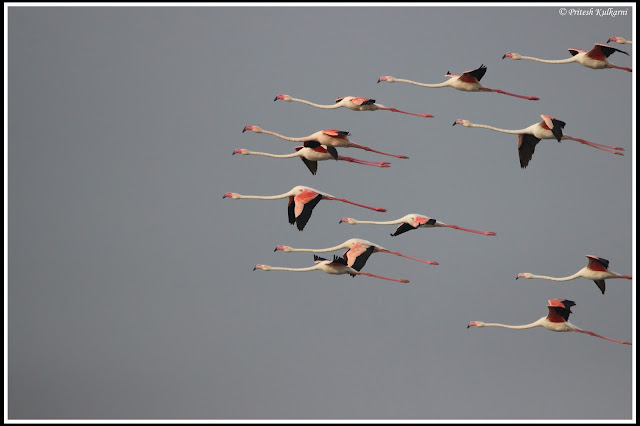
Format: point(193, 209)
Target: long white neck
point(265, 197)
point(266, 154)
point(516, 327)
point(341, 246)
point(569, 278)
point(334, 106)
point(443, 84)
point(497, 129)
point(278, 135)
point(373, 222)
point(549, 61)
point(281, 268)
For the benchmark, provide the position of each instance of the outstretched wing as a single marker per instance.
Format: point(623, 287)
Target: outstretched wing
point(358, 256)
point(526, 147)
point(473, 76)
point(402, 229)
point(602, 51)
point(304, 204)
point(600, 284)
point(363, 101)
point(342, 134)
point(597, 263)
point(559, 310)
point(311, 165)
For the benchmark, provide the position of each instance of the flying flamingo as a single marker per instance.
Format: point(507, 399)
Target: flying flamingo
point(354, 103)
point(469, 81)
point(311, 156)
point(595, 59)
point(413, 221)
point(548, 128)
point(358, 252)
point(556, 320)
point(302, 200)
point(338, 266)
point(330, 138)
point(595, 270)
point(619, 40)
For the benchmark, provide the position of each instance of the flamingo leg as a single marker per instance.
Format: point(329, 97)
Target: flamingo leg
point(599, 146)
point(591, 333)
point(531, 98)
point(469, 230)
point(404, 112)
point(365, 162)
point(429, 262)
point(384, 278)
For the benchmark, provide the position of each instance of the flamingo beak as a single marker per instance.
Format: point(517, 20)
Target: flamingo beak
point(504, 56)
point(454, 123)
point(275, 99)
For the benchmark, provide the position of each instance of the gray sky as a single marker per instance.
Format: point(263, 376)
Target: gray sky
point(131, 287)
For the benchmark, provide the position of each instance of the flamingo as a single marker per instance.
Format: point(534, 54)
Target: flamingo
point(469, 81)
point(413, 221)
point(337, 266)
point(354, 103)
point(548, 128)
point(330, 138)
point(556, 320)
point(311, 156)
point(619, 40)
point(595, 59)
point(595, 270)
point(358, 252)
point(302, 200)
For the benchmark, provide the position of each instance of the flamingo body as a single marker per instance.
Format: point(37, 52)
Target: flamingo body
point(330, 138)
point(548, 128)
point(302, 201)
point(311, 156)
point(354, 103)
point(596, 58)
point(556, 320)
point(412, 221)
point(596, 270)
point(469, 81)
point(358, 252)
point(337, 266)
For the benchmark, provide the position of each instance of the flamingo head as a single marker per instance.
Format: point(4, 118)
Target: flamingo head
point(255, 129)
point(283, 248)
point(616, 39)
point(263, 267)
point(512, 56)
point(233, 195)
point(465, 123)
point(349, 220)
point(285, 98)
point(240, 151)
point(476, 324)
point(386, 78)
point(524, 275)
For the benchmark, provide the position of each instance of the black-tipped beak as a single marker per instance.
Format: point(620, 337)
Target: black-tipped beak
point(503, 56)
point(454, 123)
point(608, 41)
point(254, 268)
point(517, 277)
point(233, 153)
point(275, 249)
point(244, 130)
point(275, 99)
point(468, 326)
point(378, 80)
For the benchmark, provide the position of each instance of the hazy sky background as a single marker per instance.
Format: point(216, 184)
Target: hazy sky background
point(131, 287)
